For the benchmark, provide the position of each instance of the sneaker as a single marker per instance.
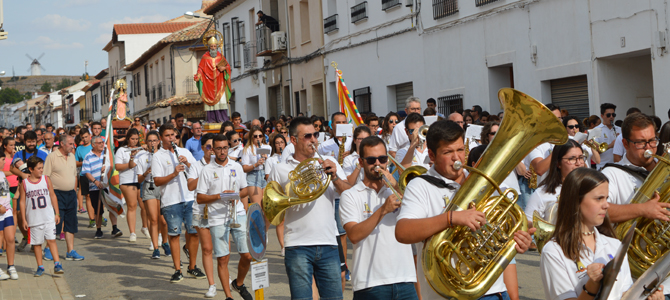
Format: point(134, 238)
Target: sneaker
point(62, 236)
point(166, 249)
point(22, 245)
point(196, 273)
point(104, 222)
point(133, 238)
point(47, 254)
point(12, 273)
point(82, 211)
point(38, 273)
point(160, 239)
point(3, 275)
point(73, 255)
point(188, 255)
point(117, 233)
point(151, 246)
point(176, 277)
point(146, 233)
point(1, 252)
point(283, 253)
point(98, 234)
point(91, 224)
point(157, 254)
point(211, 292)
point(347, 275)
point(58, 268)
point(242, 290)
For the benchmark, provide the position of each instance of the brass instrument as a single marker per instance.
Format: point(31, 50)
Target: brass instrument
point(545, 227)
point(467, 148)
point(340, 153)
point(600, 147)
point(306, 185)
point(462, 264)
point(387, 182)
point(532, 182)
point(233, 208)
point(406, 174)
point(423, 133)
point(651, 239)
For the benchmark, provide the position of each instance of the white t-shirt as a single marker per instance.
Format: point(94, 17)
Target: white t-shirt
point(331, 148)
point(311, 223)
point(588, 152)
point(379, 259)
point(122, 156)
point(399, 137)
point(287, 152)
point(236, 152)
point(542, 151)
point(143, 161)
point(424, 200)
point(562, 278)
point(214, 179)
point(176, 190)
point(271, 162)
point(608, 136)
point(349, 165)
point(5, 199)
point(194, 173)
point(250, 158)
point(539, 201)
point(418, 159)
point(618, 146)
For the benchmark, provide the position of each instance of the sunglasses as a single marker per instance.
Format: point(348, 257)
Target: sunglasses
point(308, 136)
point(370, 160)
point(237, 140)
point(258, 136)
point(283, 132)
point(493, 133)
point(572, 126)
point(208, 147)
point(394, 122)
point(610, 115)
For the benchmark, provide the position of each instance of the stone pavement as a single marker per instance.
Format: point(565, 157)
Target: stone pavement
point(116, 269)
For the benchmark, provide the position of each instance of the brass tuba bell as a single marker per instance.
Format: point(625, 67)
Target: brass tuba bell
point(464, 265)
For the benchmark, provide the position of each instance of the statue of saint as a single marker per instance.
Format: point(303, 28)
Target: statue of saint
point(213, 81)
point(121, 100)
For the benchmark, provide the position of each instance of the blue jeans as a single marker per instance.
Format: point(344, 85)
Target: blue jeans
point(338, 219)
point(178, 214)
point(395, 291)
point(496, 296)
point(323, 262)
point(524, 192)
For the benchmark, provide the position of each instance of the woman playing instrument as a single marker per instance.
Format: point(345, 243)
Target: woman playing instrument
point(572, 261)
point(350, 165)
point(564, 159)
point(573, 126)
point(252, 164)
point(390, 121)
point(124, 160)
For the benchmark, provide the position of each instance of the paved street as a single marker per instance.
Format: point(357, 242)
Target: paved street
point(116, 269)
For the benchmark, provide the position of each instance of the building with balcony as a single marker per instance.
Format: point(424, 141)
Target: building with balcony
point(576, 53)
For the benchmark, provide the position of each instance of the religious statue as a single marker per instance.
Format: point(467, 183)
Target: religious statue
point(213, 79)
point(121, 100)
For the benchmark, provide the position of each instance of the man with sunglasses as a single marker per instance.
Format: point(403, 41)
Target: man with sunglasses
point(310, 228)
point(626, 176)
point(369, 210)
point(399, 138)
point(419, 154)
point(332, 146)
point(421, 214)
point(608, 133)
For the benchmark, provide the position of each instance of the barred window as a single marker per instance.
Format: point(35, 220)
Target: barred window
point(479, 3)
point(444, 8)
point(449, 104)
point(363, 99)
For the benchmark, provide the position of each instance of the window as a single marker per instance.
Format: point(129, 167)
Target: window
point(449, 104)
point(330, 24)
point(479, 3)
point(226, 40)
point(386, 4)
point(359, 12)
point(146, 82)
point(240, 32)
point(444, 8)
point(363, 99)
point(291, 23)
point(236, 42)
point(304, 21)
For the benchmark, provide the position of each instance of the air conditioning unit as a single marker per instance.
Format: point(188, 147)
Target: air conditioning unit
point(278, 41)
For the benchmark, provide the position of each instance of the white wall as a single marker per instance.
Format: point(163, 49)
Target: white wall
point(136, 44)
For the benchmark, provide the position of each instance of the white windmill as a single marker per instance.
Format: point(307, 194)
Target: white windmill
point(35, 66)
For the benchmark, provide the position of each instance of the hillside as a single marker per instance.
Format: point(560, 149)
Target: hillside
point(33, 83)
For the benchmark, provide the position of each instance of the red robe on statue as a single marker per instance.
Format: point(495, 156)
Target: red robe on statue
point(214, 82)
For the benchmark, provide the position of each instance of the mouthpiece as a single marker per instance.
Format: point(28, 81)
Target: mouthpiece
point(458, 165)
point(648, 154)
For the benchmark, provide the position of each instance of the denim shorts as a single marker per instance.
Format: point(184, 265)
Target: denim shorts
point(496, 296)
point(394, 291)
point(256, 178)
point(178, 214)
point(220, 236)
point(322, 262)
point(338, 220)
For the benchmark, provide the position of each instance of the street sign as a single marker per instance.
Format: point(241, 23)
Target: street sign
point(256, 235)
point(259, 275)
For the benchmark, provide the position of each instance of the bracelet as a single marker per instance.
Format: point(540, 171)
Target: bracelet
point(586, 291)
point(451, 219)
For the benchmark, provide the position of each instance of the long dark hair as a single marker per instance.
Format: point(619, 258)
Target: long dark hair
point(568, 233)
point(155, 133)
point(131, 132)
point(357, 132)
point(386, 131)
point(5, 142)
point(274, 138)
point(664, 137)
point(486, 130)
point(554, 178)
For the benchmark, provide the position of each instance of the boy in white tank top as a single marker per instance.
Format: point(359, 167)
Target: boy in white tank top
point(38, 206)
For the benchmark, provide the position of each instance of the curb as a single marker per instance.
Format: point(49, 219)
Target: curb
point(63, 288)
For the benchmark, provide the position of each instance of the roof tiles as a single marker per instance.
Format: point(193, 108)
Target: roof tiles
point(142, 28)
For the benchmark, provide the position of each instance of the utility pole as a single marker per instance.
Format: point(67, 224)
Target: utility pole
point(3, 33)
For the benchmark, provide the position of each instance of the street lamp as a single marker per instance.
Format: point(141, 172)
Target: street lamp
point(191, 15)
point(2, 73)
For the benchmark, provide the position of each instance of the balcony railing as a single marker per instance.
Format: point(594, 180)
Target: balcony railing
point(161, 91)
point(189, 85)
point(153, 94)
point(388, 4)
point(263, 40)
point(479, 3)
point(359, 12)
point(444, 8)
point(249, 57)
point(330, 24)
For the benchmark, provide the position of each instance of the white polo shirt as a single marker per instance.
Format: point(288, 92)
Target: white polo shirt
point(539, 201)
point(194, 173)
point(607, 136)
point(349, 165)
point(236, 152)
point(176, 190)
point(249, 156)
point(271, 162)
point(399, 137)
point(214, 179)
point(143, 161)
point(563, 280)
point(418, 159)
point(379, 259)
point(122, 156)
point(424, 200)
point(287, 152)
point(542, 151)
point(618, 146)
point(588, 152)
point(331, 148)
point(622, 184)
point(311, 223)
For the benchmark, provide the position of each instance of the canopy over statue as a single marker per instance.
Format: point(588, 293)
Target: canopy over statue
point(213, 79)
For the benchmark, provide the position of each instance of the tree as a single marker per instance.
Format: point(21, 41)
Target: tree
point(10, 95)
point(65, 83)
point(46, 87)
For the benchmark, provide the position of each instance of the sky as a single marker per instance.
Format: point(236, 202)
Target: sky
point(70, 32)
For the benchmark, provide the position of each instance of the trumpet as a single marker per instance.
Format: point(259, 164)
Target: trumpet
point(423, 133)
point(600, 147)
point(388, 182)
point(233, 208)
point(406, 174)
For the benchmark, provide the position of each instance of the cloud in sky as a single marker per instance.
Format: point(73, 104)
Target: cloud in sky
point(58, 22)
point(143, 19)
point(103, 38)
point(70, 3)
point(48, 43)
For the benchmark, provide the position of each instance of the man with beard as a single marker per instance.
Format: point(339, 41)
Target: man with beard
point(20, 144)
point(213, 81)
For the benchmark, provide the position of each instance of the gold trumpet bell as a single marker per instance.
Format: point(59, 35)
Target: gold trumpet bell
point(409, 174)
point(544, 231)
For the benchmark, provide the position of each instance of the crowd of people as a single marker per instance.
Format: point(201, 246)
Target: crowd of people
point(186, 180)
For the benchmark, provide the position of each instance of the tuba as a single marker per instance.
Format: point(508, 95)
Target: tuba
point(406, 174)
point(651, 239)
point(462, 264)
point(545, 227)
point(308, 181)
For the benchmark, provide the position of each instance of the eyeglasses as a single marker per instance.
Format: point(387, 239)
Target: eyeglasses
point(283, 132)
point(573, 160)
point(643, 144)
point(219, 149)
point(371, 159)
point(137, 120)
point(308, 136)
point(493, 133)
point(572, 126)
point(610, 115)
point(258, 136)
